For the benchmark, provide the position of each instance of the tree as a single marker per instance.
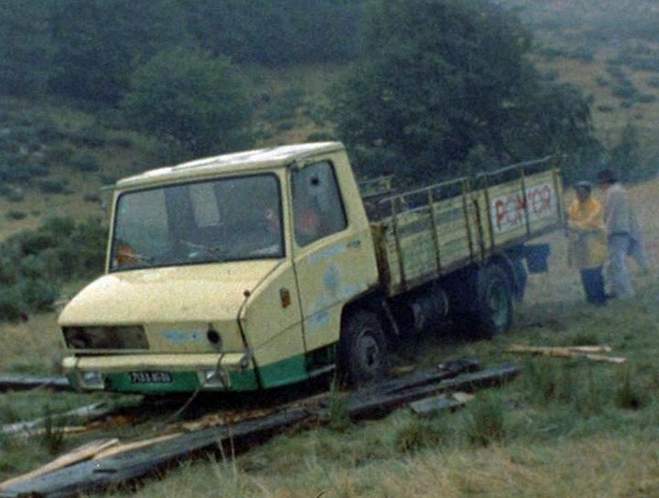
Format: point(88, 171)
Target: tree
point(189, 97)
point(441, 77)
point(24, 47)
point(98, 43)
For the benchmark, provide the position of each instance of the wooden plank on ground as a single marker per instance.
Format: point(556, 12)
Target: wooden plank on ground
point(84, 452)
point(93, 475)
point(374, 403)
point(567, 352)
point(434, 404)
point(17, 382)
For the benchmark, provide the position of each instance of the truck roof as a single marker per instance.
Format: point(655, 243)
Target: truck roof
point(251, 160)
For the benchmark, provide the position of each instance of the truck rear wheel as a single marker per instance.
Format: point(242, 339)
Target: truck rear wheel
point(362, 353)
point(494, 306)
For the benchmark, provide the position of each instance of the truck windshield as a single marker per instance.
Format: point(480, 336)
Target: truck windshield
point(228, 219)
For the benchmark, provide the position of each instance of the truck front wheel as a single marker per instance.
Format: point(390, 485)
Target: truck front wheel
point(362, 353)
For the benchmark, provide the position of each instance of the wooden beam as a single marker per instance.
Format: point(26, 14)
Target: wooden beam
point(376, 403)
point(84, 452)
point(429, 406)
point(16, 382)
point(93, 475)
point(569, 352)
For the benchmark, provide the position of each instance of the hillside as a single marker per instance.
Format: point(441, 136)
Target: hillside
point(609, 49)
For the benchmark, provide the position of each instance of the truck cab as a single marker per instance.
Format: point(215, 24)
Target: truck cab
point(230, 273)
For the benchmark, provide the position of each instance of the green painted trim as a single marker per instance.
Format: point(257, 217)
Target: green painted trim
point(281, 373)
point(284, 372)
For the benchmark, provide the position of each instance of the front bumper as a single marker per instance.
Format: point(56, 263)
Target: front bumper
point(184, 372)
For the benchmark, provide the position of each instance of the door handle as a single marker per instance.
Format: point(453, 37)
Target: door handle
point(354, 244)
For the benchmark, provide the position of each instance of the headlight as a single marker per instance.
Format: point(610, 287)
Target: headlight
point(92, 379)
point(215, 378)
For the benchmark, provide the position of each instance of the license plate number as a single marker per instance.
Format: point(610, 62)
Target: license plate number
point(150, 378)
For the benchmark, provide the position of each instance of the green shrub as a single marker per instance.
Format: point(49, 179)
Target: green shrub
point(92, 198)
point(11, 303)
point(85, 162)
point(35, 170)
point(602, 81)
point(90, 136)
point(37, 293)
point(653, 82)
point(53, 186)
point(647, 98)
point(16, 215)
point(60, 154)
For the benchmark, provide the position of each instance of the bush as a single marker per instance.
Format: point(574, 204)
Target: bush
point(92, 198)
point(11, 304)
point(647, 98)
point(38, 294)
point(602, 81)
point(190, 97)
point(86, 163)
point(90, 136)
point(16, 215)
point(35, 263)
point(60, 154)
point(52, 186)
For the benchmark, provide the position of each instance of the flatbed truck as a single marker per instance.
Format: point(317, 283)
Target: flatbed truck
point(260, 269)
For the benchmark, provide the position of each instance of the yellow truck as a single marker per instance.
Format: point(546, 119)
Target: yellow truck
point(264, 268)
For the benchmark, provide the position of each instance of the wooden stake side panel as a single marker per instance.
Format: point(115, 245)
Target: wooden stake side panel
point(468, 228)
point(407, 252)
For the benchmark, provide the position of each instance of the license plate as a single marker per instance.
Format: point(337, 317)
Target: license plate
point(150, 378)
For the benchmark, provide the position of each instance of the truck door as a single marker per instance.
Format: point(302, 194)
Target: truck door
point(328, 251)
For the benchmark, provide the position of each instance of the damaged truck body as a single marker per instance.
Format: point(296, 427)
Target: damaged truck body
point(265, 268)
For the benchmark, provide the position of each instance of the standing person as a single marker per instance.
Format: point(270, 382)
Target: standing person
point(623, 234)
point(587, 249)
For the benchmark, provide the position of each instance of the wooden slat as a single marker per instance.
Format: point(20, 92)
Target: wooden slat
point(16, 382)
point(84, 452)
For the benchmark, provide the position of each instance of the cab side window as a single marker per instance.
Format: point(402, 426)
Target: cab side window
point(317, 207)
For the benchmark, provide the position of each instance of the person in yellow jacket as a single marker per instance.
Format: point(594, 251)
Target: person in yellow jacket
point(587, 242)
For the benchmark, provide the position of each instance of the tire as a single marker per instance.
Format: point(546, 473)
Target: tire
point(362, 354)
point(494, 301)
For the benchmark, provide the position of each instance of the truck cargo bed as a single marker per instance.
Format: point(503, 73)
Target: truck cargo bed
point(423, 234)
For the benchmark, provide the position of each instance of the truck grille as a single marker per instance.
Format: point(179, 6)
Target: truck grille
point(128, 337)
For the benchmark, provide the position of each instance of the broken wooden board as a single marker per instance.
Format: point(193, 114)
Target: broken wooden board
point(115, 470)
point(84, 452)
point(383, 398)
point(429, 406)
point(569, 352)
point(17, 382)
point(89, 412)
